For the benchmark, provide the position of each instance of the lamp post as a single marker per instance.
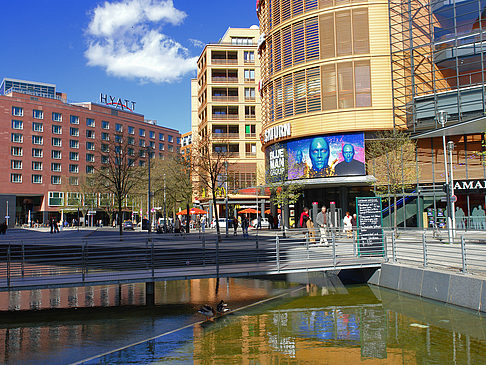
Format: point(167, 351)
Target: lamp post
point(165, 215)
point(226, 195)
point(443, 121)
point(450, 148)
point(149, 195)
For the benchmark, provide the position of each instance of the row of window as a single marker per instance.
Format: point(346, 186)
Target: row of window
point(55, 166)
point(37, 179)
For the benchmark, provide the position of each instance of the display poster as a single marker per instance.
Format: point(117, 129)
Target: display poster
point(370, 229)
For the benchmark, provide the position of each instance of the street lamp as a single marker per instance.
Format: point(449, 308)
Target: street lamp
point(149, 195)
point(165, 215)
point(450, 148)
point(443, 121)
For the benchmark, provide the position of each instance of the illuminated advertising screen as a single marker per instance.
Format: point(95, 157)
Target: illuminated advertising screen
point(318, 156)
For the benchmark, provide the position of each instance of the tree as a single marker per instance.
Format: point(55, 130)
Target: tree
point(118, 173)
point(283, 191)
point(391, 159)
point(210, 165)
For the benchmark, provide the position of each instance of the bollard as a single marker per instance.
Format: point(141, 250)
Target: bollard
point(277, 248)
point(463, 254)
point(424, 245)
point(307, 244)
point(23, 259)
point(333, 249)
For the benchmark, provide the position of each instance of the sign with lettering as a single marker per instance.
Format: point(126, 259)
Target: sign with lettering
point(123, 104)
point(469, 186)
point(277, 132)
point(370, 230)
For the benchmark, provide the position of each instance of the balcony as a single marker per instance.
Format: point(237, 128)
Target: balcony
point(225, 117)
point(224, 61)
point(225, 98)
point(250, 116)
point(250, 154)
point(225, 79)
point(226, 135)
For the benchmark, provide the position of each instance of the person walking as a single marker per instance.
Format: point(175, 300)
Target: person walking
point(244, 226)
point(303, 217)
point(348, 226)
point(235, 225)
point(310, 230)
point(321, 221)
point(203, 223)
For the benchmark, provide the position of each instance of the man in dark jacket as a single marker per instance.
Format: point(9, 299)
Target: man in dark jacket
point(321, 221)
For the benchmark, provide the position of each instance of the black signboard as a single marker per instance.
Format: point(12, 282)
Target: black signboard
point(370, 231)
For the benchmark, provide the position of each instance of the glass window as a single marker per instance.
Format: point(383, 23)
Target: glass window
point(74, 132)
point(142, 153)
point(38, 114)
point(37, 127)
point(118, 127)
point(130, 152)
point(90, 157)
point(329, 87)
point(90, 122)
point(161, 137)
point(36, 165)
point(343, 33)
point(56, 155)
point(17, 111)
point(17, 124)
point(345, 85)
point(56, 129)
point(16, 178)
point(37, 140)
point(90, 146)
point(56, 167)
point(360, 31)
point(90, 134)
point(37, 152)
point(56, 199)
point(170, 139)
point(56, 117)
point(178, 140)
point(17, 137)
point(142, 132)
point(104, 159)
point(74, 119)
point(104, 148)
point(89, 169)
point(131, 130)
point(161, 146)
point(131, 140)
point(142, 143)
point(105, 124)
point(16, 164)
point(73, 180)
point(250, 75)
point(118, 138)
point(74, 156)
point(55, 180)
point(105, 136)
point(249, 56)
point(56, 142)
point(74, 169)
point(73, 143)
point(152, 144)
point(249, 93)
point(36, 179)
point(170, 147)
point(362, 83)
point(152, 134)
point(17, 151)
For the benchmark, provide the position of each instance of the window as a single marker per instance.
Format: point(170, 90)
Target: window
point(131, 130)
point(17, 151)
point(38, 114)
point(105, 124)
point(170, 139)
point(56, 155)
point(73, 180)
point(90, 146)
point(37, 127)
point(17, 124)
point(36, 179)
point(178, 140)
point(104, 159)
point(152, 144)
point(56, 142)
point(142, 143)
point(118, 127)
point(249, 56)
point(90, 157)
point(90, 122)
point(130, 152)
point(250, 130)
point(152, 134)
point(74, 119)
point(73, 169)
point(56, 129)
point(56, 117)
point(56, 199)
point(74, 132)
point(117, 150)
point(73, 143)
point(170, 147)
point(242, 40)
point(17, 111)
point(161, 137)
point(250, 75)
point(16, 164)
point(89, 169)
point(249, 112)
point(104, 148)
point(141, 132)
point(249, 93)
point(90, 134)
point(105, 136)
point(131, 140)
point(37, 152)
point(36, 165)
point(142, 153)
point(56, 167)
point(74, 156)
point(16, 178)
point(141, 163)
point(17, 137)
point(250, 149)
point(161, 147)
point(37, 140)
point(55, 180)
point(118, 138)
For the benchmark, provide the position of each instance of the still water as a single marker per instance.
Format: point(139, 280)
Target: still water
point(310, 320)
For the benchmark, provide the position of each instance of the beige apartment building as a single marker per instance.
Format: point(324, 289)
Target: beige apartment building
point(229, 109)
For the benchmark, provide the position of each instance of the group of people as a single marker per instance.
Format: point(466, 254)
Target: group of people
point(323, 224)
point(54, 226)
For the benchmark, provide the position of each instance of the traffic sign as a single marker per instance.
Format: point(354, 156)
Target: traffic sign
point(453, 199)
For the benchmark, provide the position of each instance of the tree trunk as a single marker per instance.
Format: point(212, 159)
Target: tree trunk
point(216, 216)
point(187, 218)
point(120, 218)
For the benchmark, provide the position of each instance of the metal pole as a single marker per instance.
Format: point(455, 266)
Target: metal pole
point(307, 244)
point(277, 248)
point(149, 195)
point(152, 256)
point(23, 258)
point(8, 266)
point(6, 215)
point(463, 254)
point(394, 245)
point(333, 249)
point(78, 221)
point(450, 146)
point(424, 247)
point(226, 196)
point(165, 212)
point(443, 120)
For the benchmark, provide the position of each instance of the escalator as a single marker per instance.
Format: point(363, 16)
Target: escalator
point(406, 208)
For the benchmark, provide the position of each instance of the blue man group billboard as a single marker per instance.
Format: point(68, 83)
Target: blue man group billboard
point(318, 156)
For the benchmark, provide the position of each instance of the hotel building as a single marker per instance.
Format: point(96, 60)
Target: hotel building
point(48, 144)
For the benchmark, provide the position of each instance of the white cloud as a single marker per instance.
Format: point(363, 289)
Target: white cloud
point(125, 39)
point(197, 43)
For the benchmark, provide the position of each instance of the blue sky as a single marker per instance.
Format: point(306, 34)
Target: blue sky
point(141, 50)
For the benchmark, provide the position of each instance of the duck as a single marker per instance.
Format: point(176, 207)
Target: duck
point(222, 307)
point(206, 310)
